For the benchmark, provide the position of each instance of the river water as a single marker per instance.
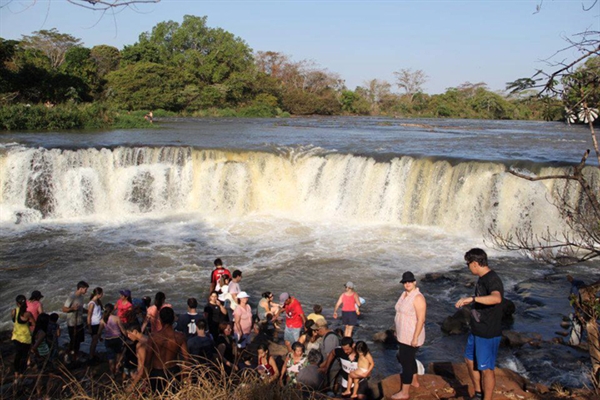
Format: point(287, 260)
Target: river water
point(299, 205)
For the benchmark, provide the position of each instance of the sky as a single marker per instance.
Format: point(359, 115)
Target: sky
point(451, 41)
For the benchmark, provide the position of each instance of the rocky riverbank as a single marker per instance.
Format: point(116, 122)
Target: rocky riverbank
point(442, 380)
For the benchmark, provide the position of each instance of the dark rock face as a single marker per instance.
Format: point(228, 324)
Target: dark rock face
point(518, 339)
point(387, 337)
point(438, 277)
point(459, 322)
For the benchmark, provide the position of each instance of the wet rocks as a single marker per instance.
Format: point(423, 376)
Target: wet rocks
point(518, 339)
point(459, 322)
point(387, 337)
point(437, 277)
point(445, 380)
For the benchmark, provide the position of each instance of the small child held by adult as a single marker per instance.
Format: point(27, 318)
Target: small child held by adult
point(365, 365)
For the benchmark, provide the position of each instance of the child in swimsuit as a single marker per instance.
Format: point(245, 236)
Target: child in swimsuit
point(365, 365)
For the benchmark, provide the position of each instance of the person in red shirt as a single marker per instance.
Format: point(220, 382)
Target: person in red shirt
point(217, 273)
point(294, 319)
point(124, 306)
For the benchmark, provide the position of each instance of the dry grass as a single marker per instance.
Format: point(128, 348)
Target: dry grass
point(200, 383)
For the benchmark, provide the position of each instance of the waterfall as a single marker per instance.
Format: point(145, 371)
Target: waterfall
point(469, 196)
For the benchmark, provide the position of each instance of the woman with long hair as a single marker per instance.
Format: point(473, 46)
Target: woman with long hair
point(226, 347)
point(34, 305)
point(113, 329)
point(94, 317)
point(310, 338)
point(267, 367)
point(21, 335)
point(214, 313)
point(152, 314)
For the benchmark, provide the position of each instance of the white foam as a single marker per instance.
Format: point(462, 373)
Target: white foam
point(301, 184)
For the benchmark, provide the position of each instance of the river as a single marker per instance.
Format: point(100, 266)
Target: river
point(300, 205)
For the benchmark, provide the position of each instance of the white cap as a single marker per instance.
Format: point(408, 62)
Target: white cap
point(242, 295)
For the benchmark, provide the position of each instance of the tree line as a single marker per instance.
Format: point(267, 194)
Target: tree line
point(189, 68)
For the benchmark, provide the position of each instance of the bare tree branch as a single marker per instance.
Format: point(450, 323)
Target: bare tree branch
point(96, 5)
point(102, 5)
point(590, 7)
point(552, 77)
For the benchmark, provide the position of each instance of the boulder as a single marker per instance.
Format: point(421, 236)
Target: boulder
point(518, 339)
point(446, 380)
point(388, 337)
point(437, 277)
point(509, 309)
point(430, 387)
point(457, 323)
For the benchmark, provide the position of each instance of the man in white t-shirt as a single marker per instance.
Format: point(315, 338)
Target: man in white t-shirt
point(234, 285)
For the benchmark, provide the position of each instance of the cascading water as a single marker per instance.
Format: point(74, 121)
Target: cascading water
point(297, 210)
point(115, 183)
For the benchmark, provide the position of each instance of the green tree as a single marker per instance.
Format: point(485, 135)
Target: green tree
point(79, 64)
point(488, 104)
point(52, 44)
point(8, 49)
point(145, 85)
point(216, 67)
point(107, 59)
point(354, 103)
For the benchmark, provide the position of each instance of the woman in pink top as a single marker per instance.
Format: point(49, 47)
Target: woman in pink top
point(124, 306)
point(152, 313)
point(34, 306)
point(350, 302)
point(243, 319)
point(411, 309)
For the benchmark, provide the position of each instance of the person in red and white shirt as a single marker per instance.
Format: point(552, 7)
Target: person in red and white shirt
point(217, 273)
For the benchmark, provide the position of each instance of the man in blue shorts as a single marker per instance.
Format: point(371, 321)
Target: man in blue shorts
point(486, 324)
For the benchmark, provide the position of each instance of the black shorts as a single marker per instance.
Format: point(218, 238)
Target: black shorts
point(94, 329)
point(114, 347)
point(349, 318)
point(163, 379)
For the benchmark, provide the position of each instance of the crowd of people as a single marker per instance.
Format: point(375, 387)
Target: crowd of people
point(147, 343)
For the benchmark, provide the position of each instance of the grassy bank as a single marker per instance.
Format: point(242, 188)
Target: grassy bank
point(22, 117)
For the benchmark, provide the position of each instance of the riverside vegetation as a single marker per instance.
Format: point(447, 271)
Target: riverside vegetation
point(191, 69)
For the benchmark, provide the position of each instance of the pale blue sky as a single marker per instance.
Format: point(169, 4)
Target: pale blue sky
point(452, 41)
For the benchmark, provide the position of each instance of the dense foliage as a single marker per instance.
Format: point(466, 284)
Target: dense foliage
point(192, 69)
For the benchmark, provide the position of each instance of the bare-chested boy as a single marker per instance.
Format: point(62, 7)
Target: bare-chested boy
point(168, 349)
